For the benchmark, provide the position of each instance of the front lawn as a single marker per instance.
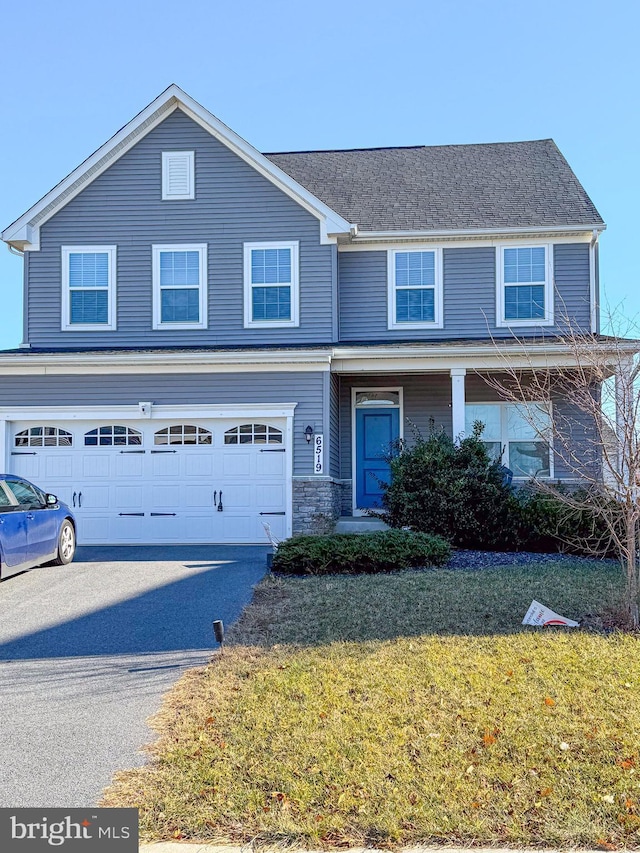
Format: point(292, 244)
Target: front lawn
point(405, 709)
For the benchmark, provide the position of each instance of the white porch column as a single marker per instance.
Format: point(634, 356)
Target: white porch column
point(457, 402)
point(624, 412)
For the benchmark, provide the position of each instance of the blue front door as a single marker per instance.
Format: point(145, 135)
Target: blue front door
point(376, 430)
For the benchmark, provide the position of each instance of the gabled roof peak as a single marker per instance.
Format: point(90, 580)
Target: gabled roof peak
point(24, 233)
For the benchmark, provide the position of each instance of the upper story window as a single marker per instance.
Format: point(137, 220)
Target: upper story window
point(178, 181)
point(518, 435)
point(415, 289)
point(88, 288)
point(271, 284)
point(183, 434)
point(43, 436)
point(180, 286)
point(525, 286)
point(108, 436)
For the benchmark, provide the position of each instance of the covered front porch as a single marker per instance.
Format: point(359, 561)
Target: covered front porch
point(390, 393)
point(374, 411)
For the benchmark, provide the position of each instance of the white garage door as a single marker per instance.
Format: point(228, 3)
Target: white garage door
point(145, 482)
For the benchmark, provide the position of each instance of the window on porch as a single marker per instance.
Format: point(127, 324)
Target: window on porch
point(518, 435)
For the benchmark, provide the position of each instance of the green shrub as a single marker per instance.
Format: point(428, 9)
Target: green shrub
point(548, 523)
point(357, 553)
point(455, 491)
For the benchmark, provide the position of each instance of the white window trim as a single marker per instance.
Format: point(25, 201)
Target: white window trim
point(66, 324)
point(189, 156)
point(156, 249)
point(438, 320)
point(249, 322)
point(548, 320)
point(504, 437)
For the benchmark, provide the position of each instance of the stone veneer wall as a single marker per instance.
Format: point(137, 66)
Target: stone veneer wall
point(317, 505)
point(347, 497)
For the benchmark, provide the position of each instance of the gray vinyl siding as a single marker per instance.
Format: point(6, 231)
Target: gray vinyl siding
point(305, 389)
point(233, 204)
point(334, 425)
point(572, 285)
point(576, 442)
point(469, 285)
point(426, 406)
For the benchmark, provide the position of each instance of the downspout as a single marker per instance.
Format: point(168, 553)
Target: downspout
point(25, 344)
point(593, 296)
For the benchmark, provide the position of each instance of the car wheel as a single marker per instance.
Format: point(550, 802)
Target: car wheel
point(66, 544)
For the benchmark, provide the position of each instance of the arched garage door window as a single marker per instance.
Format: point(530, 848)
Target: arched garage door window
point(183, 434)
point(43, 436)
point(112, 435)
point(253, 434)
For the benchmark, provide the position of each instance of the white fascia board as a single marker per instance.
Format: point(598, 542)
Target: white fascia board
point(478, 358)
point(444, 364)
point(24, 232)
point(437, 350)
point(127, 412)
point(127, 363)
point(363, 237)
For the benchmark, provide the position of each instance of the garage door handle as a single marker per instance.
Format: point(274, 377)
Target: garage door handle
point(133, 451)
point(74, 498)
point(130, 513)
point(272, 450)
point(162, 451)
point(23, 453)
point(272, 513)
point(161, 513)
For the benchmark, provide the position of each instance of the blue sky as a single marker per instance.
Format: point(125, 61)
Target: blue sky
point(291, 75)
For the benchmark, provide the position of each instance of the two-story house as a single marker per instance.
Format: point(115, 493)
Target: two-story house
point(215, 337)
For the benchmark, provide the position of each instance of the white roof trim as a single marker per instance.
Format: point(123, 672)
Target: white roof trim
point(339, 359)
point(24, 232)
point(384, 236)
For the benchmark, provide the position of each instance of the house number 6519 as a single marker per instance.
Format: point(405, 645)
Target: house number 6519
point(318, 454)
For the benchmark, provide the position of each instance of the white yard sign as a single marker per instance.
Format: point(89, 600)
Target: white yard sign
point(318, 454)
point(538, 614)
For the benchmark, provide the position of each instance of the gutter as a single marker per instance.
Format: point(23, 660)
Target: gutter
point(372, 236)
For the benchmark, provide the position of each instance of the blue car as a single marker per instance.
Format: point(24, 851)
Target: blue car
point(35, 527)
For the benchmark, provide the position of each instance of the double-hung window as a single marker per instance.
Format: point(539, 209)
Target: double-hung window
point(180, 286)
point(525, 286)
point(518, 435)
point(415, 289)
point(88, 288)
point(271, 285)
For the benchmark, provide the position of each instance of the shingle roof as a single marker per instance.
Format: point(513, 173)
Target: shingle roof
point(509, 184)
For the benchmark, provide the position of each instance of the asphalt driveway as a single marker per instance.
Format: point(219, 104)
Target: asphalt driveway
point(88, 650)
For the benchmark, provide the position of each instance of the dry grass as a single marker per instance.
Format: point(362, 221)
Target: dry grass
point(391, 710)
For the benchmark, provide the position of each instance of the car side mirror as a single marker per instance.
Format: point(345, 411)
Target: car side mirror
point(52, 500)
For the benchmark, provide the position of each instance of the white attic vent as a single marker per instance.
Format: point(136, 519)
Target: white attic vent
point(177, 175)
